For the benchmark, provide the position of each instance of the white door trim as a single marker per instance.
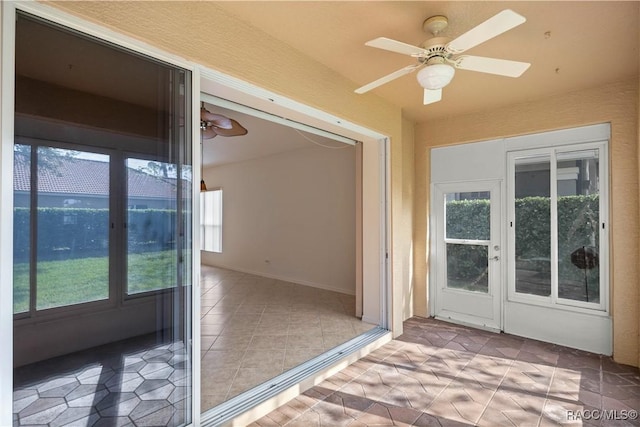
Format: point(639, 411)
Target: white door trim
point(482, 310)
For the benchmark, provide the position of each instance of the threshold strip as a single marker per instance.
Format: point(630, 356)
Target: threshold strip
point(228, 410)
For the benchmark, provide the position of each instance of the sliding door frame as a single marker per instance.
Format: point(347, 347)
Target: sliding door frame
point(7, 117)
point(554, 300)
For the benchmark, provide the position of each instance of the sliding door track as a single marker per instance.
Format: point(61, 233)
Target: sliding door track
point(225, 412)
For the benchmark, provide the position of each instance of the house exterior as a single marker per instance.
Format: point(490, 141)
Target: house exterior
point(235, 48)
point(80, 183)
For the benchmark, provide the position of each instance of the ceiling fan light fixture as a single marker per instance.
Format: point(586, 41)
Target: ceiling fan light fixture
point(435, 76)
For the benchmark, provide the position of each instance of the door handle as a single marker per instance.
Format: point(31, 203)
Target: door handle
point(495, 258)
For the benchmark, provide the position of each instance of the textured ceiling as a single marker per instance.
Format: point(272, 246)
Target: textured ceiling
point(571, 45)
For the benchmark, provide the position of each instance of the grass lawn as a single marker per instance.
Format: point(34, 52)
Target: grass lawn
point(74, 281)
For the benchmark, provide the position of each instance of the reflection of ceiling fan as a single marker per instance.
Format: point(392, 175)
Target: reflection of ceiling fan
point(213, 125)
point(437, 56)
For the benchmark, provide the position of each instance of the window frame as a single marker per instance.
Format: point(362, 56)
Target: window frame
point(553, 300)
point(33, 314)
point(117, 285)
point(204, 215)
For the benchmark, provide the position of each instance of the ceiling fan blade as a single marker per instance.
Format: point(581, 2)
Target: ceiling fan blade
point(218, 119)
point(387, 78)
point(209, 133)
point(431, 96)
point(502, 67)
point(494, 26)
point(235, 129)
point(395, 46)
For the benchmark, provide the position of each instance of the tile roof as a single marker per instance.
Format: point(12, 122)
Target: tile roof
point(89, 177)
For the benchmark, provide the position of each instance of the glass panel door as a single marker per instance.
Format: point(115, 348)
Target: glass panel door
point(578, 230)
point(556, 226)
point(533, 226)
point(93, 226)
point(466, 256)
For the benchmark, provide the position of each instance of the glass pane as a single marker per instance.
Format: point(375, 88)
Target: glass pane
point(468, 267)
point(132, 359)
point(533, 226)
point(73, 227)
point(21, 227)
point(467, 215)
point(578, 231)
point(151, 215)
point(211, 221)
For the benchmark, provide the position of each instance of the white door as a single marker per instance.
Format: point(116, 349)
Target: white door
point(466, 264)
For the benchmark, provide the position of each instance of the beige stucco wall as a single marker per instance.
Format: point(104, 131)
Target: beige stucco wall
point(638, 127)
point(205, 34)
point(615, 103)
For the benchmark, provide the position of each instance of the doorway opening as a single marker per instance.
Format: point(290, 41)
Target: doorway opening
point(279, 284)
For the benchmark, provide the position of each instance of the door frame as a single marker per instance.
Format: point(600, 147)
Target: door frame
point(437, 269)
point(569, 325)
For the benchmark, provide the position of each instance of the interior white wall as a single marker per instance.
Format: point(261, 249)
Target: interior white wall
point(290, 216)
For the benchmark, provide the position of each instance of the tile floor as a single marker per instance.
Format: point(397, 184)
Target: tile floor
point(254, 328)
point(135, 382)
point(439, 374)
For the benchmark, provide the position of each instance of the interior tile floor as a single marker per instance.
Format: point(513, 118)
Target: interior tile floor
point(439, 374)
point(135, 382)
point(254, 328)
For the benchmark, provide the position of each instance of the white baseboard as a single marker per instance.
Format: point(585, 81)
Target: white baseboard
point(285, 279)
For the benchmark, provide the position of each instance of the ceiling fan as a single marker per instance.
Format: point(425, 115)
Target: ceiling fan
point(438, 56)
point(213, 125)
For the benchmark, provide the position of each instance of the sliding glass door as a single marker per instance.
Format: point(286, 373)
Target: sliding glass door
point(557, 226)
point(102, 233)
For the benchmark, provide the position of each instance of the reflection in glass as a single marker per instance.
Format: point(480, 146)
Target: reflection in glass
point(468, 267)
point(80, 105)
point(533, 226)
point(151, 220)
point(578, 219)
point(21, 228)
point(73, 228)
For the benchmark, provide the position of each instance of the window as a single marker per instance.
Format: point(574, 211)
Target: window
point(467, 238)
point(61, 227)
point(102, 186)
point(151, 224)
point(211, 217)
point(557, 226)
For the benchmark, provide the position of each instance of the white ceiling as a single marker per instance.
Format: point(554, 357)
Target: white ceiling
point(571, 45)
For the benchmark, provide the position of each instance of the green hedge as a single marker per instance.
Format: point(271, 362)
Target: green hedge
point(577, 226)
point(78, 233)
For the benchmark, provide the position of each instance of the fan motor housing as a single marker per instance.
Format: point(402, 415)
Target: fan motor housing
point(435, 48)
